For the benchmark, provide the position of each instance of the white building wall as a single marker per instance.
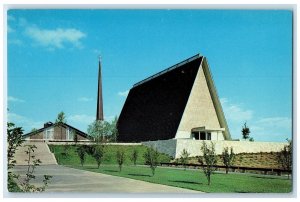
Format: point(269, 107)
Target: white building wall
point(199, 110)
point(174, 147)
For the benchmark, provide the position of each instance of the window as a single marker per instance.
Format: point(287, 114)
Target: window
point(208, 136)
point(202, 136)
point(48, 134)
point(70, 134)
point(196, 135)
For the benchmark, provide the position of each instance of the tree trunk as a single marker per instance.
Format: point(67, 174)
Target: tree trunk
point(208, 179)
point(227, 170)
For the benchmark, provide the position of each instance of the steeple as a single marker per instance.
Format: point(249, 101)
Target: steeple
point(99, 115)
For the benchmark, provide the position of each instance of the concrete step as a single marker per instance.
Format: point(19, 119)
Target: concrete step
point(42, 152)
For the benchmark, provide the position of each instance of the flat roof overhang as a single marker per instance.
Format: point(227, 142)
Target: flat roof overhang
point(203, 128)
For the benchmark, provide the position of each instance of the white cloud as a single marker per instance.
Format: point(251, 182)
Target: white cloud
point(49, 38)
point(84, 99)
point(235, 112)
point(262, 129)
point(124, 93)
point(26, 123)
point(81, 119)
point(282, 122)
point(272, 127)
point(223, 100)
point(14, 99)
point(55, 38)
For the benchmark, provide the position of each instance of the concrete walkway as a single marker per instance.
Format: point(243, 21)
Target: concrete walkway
point(73, 180)
point(41, 152)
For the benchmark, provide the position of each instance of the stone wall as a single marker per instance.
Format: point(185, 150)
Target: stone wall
point(174, 147)
point(163, 146)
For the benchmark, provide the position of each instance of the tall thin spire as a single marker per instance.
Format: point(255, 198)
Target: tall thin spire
point(99, 115)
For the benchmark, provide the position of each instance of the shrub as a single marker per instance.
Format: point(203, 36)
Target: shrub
point(184, 157)
point(81, 153)
point(98, 154)
point(151, 159)
point(134, 156)
point(228, 158)
point(285, 157)
point(120, 158)
point(208, 160)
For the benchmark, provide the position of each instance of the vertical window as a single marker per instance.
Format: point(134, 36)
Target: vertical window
point(196, 135)
point(49, 134)
point(202, 135)
point(208, 136)
point(70, 134)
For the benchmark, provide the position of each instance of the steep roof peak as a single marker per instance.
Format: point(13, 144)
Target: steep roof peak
point(195, 57)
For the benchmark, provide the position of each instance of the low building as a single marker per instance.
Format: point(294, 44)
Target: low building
point(57, 132)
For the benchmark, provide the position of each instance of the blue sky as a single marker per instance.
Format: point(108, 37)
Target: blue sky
point(53, 62)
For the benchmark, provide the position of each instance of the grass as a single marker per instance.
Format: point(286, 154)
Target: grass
point(190, 179)
point(71, 158)
point(196, 180)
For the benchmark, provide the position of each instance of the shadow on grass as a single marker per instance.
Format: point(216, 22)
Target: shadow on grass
point(271, 178)
point(141, 175)
point(111, 171)
point(186, 182)
point(94, 168)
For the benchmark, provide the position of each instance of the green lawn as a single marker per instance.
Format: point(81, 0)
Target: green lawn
point(196, 180)
point(190, 179)
point(109, 155)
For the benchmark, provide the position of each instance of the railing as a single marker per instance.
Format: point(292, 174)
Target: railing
point(242, 169)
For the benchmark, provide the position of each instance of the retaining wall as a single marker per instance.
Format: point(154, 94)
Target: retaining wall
point(174, 147)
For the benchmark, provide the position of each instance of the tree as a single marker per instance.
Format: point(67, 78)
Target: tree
point(103, 130)
point(81, 153)
point(120, 158)
point(61, 119)
point(75, 137)
point(184, 157)
point(32, 163)
point(251, 139)
point(134, 156)
point(151, 159)
point(14, 141)
point(208, 160)
point(228, 158)
point(114, 129)
point(245, 132)
point(285, 157)
point(99, 130)
point(98, 154)
point(66, 149)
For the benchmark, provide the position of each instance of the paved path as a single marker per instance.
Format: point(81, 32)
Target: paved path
point(42, 152)
point(73, 180)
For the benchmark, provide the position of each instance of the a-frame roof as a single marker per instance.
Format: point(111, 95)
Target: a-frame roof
point(215, 99)
point(79, 132)
point(155, 105)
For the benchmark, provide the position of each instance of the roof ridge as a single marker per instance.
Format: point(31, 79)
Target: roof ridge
point(168, 69)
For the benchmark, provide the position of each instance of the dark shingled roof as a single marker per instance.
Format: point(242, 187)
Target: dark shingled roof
point(154, 106)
